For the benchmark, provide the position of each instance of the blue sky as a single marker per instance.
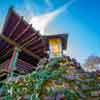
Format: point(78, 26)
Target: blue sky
point(81, 21)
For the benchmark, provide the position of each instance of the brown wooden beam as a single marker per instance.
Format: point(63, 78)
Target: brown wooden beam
point(38, 50)
point(30, 42)
point(13, 30)
point(19, 21)
point(4, 49)
point(29, 37)
point(7, 53)
point(26, 43)
point(12, 42)
point(22, 33)
point(34, 43)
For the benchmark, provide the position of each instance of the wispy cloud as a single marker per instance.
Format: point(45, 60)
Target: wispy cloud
point(41, 22)
point(29, 9)
point(49, 4)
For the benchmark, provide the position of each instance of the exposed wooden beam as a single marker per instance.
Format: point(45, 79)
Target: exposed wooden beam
point(7, 53)
point(31, 53)
point(22, 33)
point(2, 52)
point(27, 43)
point(13, 30)
point(29, 37)
point(37, 47)
point(35, 41)
point(12, 42)
point(38, 50)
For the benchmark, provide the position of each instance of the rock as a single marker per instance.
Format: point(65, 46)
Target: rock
point(59, 96)
point(58, 82)
point(49, 98)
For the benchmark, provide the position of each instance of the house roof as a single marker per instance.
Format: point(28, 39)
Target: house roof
point(19, 33)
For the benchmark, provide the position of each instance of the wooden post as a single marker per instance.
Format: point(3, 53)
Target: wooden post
point(13, 60)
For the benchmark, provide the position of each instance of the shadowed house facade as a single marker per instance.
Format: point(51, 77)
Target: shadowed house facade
point(56, 44)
